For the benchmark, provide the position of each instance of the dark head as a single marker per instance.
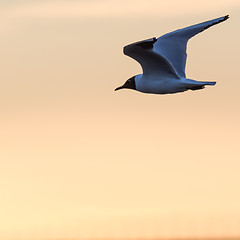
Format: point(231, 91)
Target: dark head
point(130, 83)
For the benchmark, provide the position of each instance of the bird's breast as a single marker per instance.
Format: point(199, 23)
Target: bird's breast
point(161, 86)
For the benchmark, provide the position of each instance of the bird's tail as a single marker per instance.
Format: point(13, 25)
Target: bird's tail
point(195, 85)
point(209, 83)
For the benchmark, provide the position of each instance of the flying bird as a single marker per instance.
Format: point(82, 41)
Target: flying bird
point(163, 61)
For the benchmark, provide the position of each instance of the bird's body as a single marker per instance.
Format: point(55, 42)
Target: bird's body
point(163, 61)
point(168, 85)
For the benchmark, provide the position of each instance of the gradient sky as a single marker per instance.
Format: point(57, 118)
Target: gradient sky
point(79, 160)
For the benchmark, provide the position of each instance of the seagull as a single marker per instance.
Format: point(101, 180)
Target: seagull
point(163, 61)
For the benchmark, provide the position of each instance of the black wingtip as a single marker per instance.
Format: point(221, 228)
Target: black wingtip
point(148, 44)
point(226, 17)
point(221, 19)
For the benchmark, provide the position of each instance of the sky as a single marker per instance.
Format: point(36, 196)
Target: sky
point(80, 161)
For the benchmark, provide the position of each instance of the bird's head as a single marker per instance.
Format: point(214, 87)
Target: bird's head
point(130, 83)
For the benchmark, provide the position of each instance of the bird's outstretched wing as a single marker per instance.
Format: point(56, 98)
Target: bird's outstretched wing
point(152, 63)
point(172, 46)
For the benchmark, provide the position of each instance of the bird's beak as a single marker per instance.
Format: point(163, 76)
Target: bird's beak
point(119, 88)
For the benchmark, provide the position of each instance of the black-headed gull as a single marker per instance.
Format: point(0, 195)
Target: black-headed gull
point(163, 61)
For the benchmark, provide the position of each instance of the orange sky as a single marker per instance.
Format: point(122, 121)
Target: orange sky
point(79, 160)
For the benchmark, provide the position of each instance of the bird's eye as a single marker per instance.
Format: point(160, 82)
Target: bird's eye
point(128, 81)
